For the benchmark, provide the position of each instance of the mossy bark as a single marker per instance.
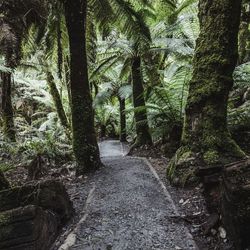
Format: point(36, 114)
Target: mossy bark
point(84, 136)
point(206, 140)
point(7, 109)
point(143, 136)
point(58, 103)
point(244, 35)
point(123, 131)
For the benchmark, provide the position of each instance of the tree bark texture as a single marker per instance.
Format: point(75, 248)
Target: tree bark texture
point(7, 109)
point(244, 35)
point(142, 128)
point(84, 136)
point(123, 132)
point(206, 140)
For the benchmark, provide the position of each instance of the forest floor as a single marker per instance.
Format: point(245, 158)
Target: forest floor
point(129, 204)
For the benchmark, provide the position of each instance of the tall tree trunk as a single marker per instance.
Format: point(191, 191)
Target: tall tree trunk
point(123, 132)
point(84, 136)
point(244, 35)
point(58, 103)
point(142, 128)
point(7, 109)
point(59, 47)
point(206, 141)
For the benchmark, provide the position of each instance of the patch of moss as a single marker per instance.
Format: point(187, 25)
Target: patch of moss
point(211, 157)
point(180, 168)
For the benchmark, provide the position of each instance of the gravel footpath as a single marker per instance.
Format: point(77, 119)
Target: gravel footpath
point(128, 208)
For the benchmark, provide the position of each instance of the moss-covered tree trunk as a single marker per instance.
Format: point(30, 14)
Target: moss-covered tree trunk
point(143, 136)
point(84, 136)
point(206, 141)
point(57, 102)
point(123, 131)
point(7, 109)
point(244, 35)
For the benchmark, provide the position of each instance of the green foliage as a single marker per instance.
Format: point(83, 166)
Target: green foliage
point(162, 33)
point(165, 67)
point(45, 144)
point(167, 103)
point(6, 166)
point(239, 103)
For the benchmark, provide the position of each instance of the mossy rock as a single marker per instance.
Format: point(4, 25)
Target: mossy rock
point(31, 216)
point(50, 195)
point(27, 228)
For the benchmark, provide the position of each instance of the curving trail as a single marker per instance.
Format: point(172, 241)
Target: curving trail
point(128, 208)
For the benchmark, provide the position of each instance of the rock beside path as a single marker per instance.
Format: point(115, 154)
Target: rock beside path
point(31, 216)
point(29, 228)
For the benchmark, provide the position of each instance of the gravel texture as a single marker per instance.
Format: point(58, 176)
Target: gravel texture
point(128, 209)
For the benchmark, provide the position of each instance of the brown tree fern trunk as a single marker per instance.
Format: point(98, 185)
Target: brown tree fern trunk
point(84, 136)
point(58, 103)
point(59, 47)
point(142, 128)
point(206, 140)
point(123, 132)
point(7, 109)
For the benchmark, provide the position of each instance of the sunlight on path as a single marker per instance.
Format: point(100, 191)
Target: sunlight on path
point(111, 148)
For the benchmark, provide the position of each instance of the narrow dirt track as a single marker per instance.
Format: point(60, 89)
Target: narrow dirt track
point(128, 208)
